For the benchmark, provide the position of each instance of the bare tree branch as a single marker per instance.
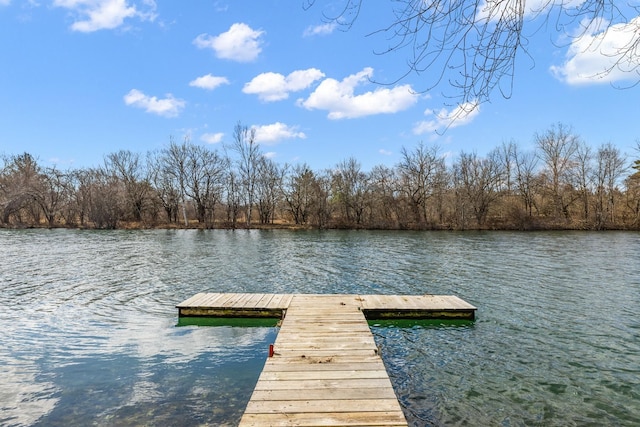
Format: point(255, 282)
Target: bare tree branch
point(472, 46)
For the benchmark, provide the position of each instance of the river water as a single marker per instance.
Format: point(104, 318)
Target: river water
point(89, 333)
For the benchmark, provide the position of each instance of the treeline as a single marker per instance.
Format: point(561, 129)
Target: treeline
point(562, 184)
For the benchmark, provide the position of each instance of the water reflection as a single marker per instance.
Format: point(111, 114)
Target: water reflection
point(172, 376)
point(24, 397)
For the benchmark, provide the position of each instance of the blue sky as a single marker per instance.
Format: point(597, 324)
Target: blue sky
point(83, 78)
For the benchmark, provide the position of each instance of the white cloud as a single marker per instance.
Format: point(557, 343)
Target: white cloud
point(320, 30)
point(270, 154)
point(339, 99)
point(385, 152)
point(602, 56)
point(461, 115)
point(493, 10)
point(212, 138)
point(94, 15)
point(276, 87)
point(167, 107)
point(5, 2)
point(240, 43)
point(273, 133)
point(209, 82)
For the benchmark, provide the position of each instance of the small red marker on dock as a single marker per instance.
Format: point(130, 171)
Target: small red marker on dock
point(270, 350)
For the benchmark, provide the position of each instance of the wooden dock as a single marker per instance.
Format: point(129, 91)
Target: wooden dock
point(325, 369)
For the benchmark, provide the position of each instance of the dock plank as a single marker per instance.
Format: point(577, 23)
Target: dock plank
point(246, 301)
point(389, 419)
point(222, 299)
point(324, 394)
point(193, 300)
point(214, 299)
point(321, 375)
point(264, 299)
point(334, 366)
point(290, 406)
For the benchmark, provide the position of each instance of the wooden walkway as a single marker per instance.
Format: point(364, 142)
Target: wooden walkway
point(325, 369)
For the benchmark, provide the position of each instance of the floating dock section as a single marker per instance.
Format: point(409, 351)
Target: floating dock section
point(324, 368)
point(373, 306)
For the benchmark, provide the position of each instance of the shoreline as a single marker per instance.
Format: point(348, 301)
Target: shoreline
point(299, 227)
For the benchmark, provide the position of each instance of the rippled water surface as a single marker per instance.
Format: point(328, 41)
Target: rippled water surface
point(89, 335)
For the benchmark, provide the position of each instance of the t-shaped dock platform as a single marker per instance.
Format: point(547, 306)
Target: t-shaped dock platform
point(324, 368)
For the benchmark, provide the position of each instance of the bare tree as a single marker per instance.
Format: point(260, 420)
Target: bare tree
point(298, 192)
point(478, 180)
point(421, 175)
point(322, 211)
point(350, 189)
point(19, 185)
point(384, 189)
point(188, 171)
point(473, 45)
point(174, 170)
point(610, 167)
point(79, 206)
point(632, 184)
point(525, 169)
point(557, 148)
point(129, 169)
point(52, 194)
point(268, 190)
point(582, 176)
point(216, 171)
point(233, 195)
point(506, 153)
point(106, 199)
point(204, 180)
point(248, 151)
point(166, 187)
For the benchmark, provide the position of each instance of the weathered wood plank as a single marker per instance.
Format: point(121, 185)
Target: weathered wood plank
point(193, 300)
point(389, 419)
point(323, 347)
point(354, 330)
point(279, 301)
point(224, 298)
point(244, 300)
point(370, 301)
point(234, 300)
point(318, 312)
point(338, 335)
point(264, 300)
point(287, 359)
point(297, 365)
point(324, 394)
point(206, 300)
point(377, 383)
point(462, 304)
point(320, 406)
point(321, 375)
point(324, 342)
point(287, 300)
